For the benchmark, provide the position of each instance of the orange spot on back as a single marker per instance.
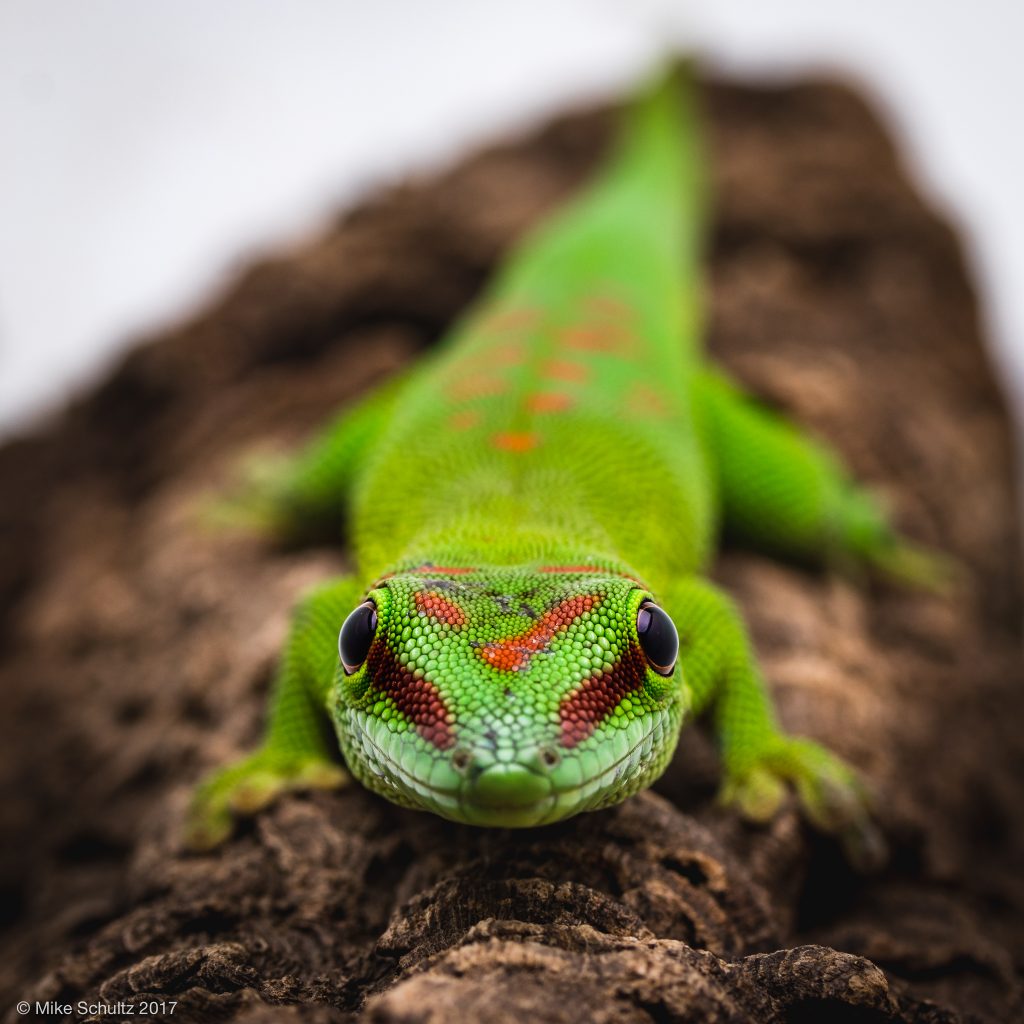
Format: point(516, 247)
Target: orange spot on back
point(550, 401)
point(504, 354)
point(434, 605)
point(511, 319)
point(514, 653)
point(610, 338)
point(607, 304)
point(476, 385)
point(562, 369)
point(513, 441)
point(507, 355)
point(464, 420)
point(644, 399)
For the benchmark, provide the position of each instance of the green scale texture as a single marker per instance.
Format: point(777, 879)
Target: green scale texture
point(565, 455)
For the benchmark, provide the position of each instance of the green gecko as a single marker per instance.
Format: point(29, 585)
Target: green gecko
point(531, 512)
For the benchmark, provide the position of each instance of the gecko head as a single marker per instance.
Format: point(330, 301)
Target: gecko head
point(508, 696)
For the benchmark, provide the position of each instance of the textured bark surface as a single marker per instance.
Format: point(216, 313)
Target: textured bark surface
point(138, 647)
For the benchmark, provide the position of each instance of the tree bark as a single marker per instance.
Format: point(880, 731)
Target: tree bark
point(138, 646)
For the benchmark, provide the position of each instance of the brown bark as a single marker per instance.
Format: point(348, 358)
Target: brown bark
point(138, 647)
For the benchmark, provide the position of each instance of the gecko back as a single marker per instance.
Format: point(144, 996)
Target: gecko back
point(564, 400)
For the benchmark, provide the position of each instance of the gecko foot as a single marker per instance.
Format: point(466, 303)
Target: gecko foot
point(246, 787)
point(921, 568)
point(831, 795)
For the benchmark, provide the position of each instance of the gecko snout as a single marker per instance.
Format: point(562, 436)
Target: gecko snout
point(499, 779)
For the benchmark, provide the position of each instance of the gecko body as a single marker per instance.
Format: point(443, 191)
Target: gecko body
point(532, 512)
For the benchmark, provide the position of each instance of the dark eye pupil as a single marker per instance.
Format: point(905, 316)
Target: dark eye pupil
point(356, 636)
point(658, 638)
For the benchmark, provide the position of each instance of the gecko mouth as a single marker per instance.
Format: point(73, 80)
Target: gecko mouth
point(511, 794)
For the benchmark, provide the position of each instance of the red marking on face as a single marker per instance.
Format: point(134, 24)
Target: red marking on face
point(464, 420)
point(417, 699)
point(608, 338)
point(476, 385)
point(434, 605)
point(597, 697)
point(515, 441)
point(513, 654)
point(549, 401)
point(562, 369)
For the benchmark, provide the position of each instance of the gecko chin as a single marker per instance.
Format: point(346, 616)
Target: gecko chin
point(498, 785)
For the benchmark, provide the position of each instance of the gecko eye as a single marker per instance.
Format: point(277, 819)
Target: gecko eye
point(658, 638)
point(356, 636)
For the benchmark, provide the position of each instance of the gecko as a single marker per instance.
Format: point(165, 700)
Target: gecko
point(531, 512)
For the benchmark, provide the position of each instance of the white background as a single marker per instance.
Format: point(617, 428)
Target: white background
point(147, 148)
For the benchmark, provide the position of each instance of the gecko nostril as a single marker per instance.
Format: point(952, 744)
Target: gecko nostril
point(550, 757)
point(461, 760)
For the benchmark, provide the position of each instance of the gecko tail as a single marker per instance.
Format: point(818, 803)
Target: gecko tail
point(659, 156)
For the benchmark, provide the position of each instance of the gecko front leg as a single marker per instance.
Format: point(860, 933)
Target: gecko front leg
point(759, 760)
point(298, 751)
